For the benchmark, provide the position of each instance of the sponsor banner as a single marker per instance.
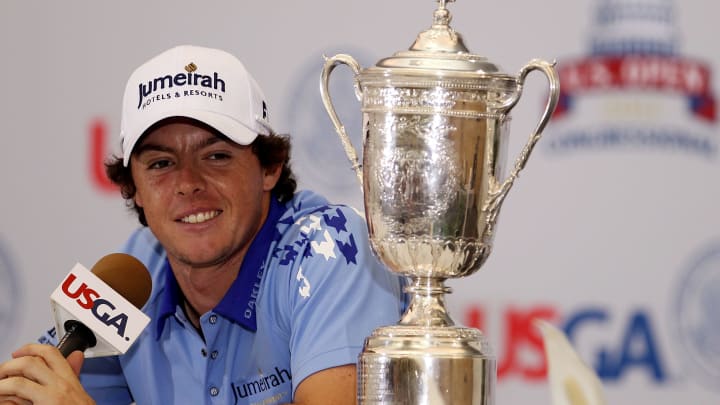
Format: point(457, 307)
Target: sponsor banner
point(662, 74)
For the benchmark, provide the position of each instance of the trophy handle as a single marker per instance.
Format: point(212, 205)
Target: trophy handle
point(548, 69)
point(330, 64)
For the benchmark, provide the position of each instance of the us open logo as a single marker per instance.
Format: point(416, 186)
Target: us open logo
point(10, 299)
point(635, 91)
point(319, 160)
point(696, 317)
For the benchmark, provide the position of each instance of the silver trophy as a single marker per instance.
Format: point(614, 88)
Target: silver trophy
point(435, 125)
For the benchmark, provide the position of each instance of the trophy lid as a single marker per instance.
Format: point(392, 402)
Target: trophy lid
point(440, 51)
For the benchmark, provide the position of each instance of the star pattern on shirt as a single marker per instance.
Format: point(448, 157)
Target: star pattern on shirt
point(325, 247)
point(325, 228)
point(337, 221)
point(307, 228)
point(304, 289)
point(349, 250)
point(288, 253)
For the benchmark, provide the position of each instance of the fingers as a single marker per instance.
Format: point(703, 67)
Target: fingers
point(10, 400)
point(30, 367)
point(75, 359)
point(18, 390)
point(50, 354)
point(19, 379)
point(39, 374)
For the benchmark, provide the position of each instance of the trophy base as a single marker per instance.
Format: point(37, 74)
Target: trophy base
point(412, 365)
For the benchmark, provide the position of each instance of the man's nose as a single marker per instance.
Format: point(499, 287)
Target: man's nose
point(190, 179)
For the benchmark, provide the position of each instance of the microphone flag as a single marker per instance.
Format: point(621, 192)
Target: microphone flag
point(84, 297)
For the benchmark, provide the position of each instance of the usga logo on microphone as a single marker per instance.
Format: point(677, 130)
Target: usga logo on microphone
point(115, 321)
point(88, 298)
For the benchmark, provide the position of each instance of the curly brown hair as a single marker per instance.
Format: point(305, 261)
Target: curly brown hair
point(270, 149)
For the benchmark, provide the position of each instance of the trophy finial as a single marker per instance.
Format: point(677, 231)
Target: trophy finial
point(442, 14)
point(440, 37)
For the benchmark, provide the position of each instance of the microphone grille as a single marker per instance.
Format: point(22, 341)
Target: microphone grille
point(126, 275)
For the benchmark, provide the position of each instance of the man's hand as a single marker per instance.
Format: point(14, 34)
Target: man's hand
point(38, 374)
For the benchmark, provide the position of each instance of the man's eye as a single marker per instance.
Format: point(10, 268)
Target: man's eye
point(219, 156)
point(159, 164)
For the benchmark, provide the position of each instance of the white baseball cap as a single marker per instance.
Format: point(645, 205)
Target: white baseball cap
point(209, 85)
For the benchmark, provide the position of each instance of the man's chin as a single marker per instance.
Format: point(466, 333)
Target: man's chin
point(196, 261)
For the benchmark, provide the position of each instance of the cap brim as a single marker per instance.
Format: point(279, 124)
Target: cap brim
point(236, 131)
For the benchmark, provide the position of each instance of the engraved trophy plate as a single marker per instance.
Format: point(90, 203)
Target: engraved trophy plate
point(436, 121)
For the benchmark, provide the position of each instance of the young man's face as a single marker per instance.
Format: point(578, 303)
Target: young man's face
point(204, 197)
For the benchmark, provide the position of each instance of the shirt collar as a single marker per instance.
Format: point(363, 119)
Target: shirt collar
point(239, 302)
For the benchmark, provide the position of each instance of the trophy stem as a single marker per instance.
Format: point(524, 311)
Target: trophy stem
point(426, 359)
point(427, 303)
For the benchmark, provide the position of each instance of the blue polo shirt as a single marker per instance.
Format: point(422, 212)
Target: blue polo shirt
point(308, 292)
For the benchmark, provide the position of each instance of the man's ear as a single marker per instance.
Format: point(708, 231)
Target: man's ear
point(272, 175)
point(137, 199)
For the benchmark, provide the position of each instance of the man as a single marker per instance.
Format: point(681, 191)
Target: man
point(261, 295)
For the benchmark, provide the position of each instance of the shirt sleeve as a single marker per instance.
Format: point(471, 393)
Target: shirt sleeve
point(339, 293)
point(103, 379)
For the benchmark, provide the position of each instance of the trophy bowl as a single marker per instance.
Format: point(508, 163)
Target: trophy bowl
point(435, 124)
